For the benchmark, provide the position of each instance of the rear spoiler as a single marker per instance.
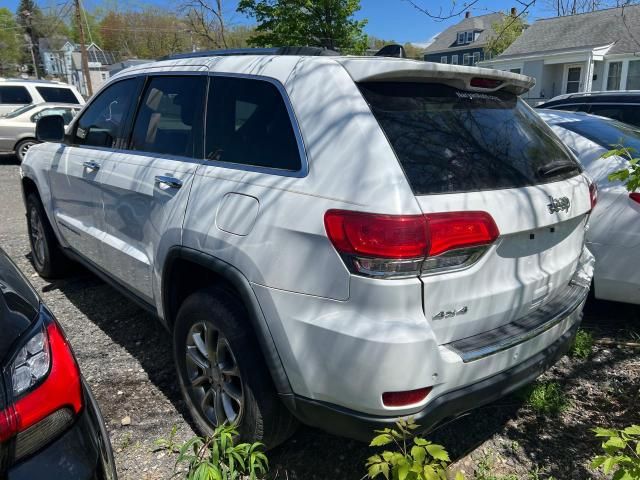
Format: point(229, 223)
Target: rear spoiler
point(376, 69)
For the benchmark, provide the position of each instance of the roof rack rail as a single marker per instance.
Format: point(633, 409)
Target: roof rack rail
point(303, 51)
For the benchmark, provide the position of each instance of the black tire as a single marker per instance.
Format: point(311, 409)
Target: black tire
point(46, 255)
point(22, 146)
point(219, 320)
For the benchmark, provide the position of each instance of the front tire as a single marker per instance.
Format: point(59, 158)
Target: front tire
point(23, 146)
point(221, 370)
point(47, 258)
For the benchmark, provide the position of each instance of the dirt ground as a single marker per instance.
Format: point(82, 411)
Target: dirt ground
point(125, 356)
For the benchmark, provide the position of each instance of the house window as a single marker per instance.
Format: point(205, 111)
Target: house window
point(515, 70)
point(466, 59)
point(476, 36)
point(443, 59)
point(476, 57)
point(614, 76)
point(454, 59)
point(633, 76)
point(469, 37)
point(461, 37)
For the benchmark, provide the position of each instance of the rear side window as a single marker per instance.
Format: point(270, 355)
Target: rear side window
point(14, 95)
point(572, 107)
point(169, 120)
point(448, 140)
point(57, 95)
point(248, 123)
point(625, 113)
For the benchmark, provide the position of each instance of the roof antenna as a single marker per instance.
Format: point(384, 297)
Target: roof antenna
point(392, 50)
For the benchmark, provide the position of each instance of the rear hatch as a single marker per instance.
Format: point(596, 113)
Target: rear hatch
point(468, 150)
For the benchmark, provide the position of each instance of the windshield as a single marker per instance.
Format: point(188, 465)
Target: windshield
point(606, 133)
point(19, 111)
point(449, 140)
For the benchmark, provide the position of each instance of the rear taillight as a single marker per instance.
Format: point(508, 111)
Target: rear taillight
point(45, 390)
point(404, 245)
point(405, 399)
point(635, 196)
point(593, 195)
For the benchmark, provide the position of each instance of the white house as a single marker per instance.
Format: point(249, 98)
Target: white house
point(578, 53)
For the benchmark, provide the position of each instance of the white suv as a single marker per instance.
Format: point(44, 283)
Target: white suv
point(337, 240)
point(16, 93)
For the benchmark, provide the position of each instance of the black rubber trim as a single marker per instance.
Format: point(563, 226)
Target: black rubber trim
point(248, 297)
point(359, 426)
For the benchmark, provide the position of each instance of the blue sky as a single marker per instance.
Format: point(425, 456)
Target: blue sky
point(388, 19)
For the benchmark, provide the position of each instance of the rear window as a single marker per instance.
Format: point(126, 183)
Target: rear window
point(606, 133)
point(14, 95)
point(57, 95)
point(449, 140)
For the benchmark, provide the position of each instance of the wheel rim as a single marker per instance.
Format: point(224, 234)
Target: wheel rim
point(36, 232)
point(22, 151)
point(214, 380)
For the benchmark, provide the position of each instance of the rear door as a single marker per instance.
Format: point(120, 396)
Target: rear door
point(12, 97)
point(488, 152)
point(147, 186)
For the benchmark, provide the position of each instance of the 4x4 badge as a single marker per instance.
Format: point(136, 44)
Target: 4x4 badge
point(450, 313)
point(559, 204)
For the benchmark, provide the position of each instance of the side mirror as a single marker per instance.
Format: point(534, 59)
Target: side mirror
point(50, 128)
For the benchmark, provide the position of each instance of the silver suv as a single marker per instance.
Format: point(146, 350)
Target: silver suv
point(337, 240)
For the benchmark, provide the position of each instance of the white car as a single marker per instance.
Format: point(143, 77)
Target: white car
point(16, 93)
point(340, 240)
point(614, 235)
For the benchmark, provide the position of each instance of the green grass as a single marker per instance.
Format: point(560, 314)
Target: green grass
point(545, 397)
point(582, 347)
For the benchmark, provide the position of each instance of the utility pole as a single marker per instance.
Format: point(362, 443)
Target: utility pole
point(29, 38)
point(83, 50)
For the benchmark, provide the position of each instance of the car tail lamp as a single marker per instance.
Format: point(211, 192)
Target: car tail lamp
point(387, 246)
point(635, 196)
point(593, 195)
point(489, 83)
point(405, 399)
point(45, 390)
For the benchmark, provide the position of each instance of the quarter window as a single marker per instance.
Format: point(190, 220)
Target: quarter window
point(14, 95)
point(248, 123)
point(102, 124)
point(57, 95)
point(614, 76)
point(170, 116)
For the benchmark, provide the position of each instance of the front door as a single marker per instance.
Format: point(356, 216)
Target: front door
point(574, 79)
point(147, 187)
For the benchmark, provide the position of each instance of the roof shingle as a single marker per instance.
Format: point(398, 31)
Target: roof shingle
point(448, 37)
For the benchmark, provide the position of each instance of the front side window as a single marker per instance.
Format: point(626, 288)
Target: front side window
point(449, 141)
point(614, 76)
point(57, 95)
point(14, 95)
point(66, 113)
point(102, 123)
point(170, 117)
point(248, 123)
point(633, 76)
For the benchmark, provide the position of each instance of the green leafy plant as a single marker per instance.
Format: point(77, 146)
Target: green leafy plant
point(621, 453)
point(169, 443)
point(217, 458)
point(414, 459)
point(545, 397)
point(582, 345)
point(630, 175)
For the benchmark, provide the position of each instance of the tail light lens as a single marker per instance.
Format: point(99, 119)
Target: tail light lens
point(45, 390)
point(635, 196)
point(593, 194)
point(404, 399)
point(404, 245)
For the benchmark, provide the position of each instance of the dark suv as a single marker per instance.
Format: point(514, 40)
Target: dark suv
point(621, 105)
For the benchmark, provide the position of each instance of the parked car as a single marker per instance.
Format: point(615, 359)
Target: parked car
point(619, 105)
point(18, 128)
point(614, 235)
point(16, 93)
point(50, 424)
point(339, 240)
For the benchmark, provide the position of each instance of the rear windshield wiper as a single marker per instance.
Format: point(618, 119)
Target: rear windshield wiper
point(555, 168)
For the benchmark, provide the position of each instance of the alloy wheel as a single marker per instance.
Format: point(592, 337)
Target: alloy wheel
point(36, 232)
point(22, 151)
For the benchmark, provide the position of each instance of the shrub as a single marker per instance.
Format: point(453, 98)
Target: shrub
point(630, 175)
point(582, 345)
point(545, 397)
point(217, 458)
point(414, 458)
point(621, 453)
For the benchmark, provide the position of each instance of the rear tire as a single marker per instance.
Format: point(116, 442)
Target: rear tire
point(46, 255)
point(221, 370)
point(23, 146)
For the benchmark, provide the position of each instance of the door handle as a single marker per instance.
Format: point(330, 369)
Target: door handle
point(171, 182)
point(91, 165)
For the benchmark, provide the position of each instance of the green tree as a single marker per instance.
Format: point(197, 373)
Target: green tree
point(321, 23)
point(505, 32)
point(91, 24)
point(10, 43)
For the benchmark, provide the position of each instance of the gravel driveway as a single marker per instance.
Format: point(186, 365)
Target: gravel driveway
point(125, 356)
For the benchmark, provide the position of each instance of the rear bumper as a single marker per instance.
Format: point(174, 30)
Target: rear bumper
point(82, 453)
point(349, 423)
